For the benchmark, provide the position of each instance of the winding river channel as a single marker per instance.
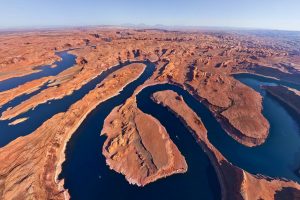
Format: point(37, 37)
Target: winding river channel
point(88, 177)
point(45, 111)
point(278, 157)
point(91, 178)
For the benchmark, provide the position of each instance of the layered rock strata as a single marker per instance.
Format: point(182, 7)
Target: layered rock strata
point(139, 147)
point(30, 165)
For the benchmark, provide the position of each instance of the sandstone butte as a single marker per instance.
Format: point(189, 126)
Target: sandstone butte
point(200, 62)
point(235, 182)
point(30, 165)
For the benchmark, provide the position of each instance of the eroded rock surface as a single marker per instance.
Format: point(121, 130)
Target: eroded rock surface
point(139, 147)
point(30, 165)
point(200, 62)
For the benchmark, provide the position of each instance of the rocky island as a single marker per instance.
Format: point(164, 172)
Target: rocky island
point(135, 153)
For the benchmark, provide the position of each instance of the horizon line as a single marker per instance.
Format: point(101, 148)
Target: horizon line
point(142, 26)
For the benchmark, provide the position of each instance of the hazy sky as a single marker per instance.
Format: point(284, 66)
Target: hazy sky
point(271, 14)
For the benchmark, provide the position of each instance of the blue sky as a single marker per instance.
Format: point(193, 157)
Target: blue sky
point(268, 14)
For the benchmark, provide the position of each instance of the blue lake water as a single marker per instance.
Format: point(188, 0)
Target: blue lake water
point(68, 60)
point(87, 176)
point(277, 157)
point(45, 111)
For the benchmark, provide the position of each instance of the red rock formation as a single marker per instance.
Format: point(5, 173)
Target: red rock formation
point(200, 62)
point(131, 150)
point(30, 165)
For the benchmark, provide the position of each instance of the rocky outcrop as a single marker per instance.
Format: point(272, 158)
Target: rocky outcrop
point(200, 62)
point(130, 147)
point(20, 53)
point(236, 106)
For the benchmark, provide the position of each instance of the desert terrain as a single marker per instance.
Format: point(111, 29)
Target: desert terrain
point(137, 146)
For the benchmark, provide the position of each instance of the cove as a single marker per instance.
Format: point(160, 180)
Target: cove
point(45, 111)
point(88, 177)
point(67, 61)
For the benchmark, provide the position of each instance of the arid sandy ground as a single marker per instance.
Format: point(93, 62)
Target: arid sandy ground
point(201, 62)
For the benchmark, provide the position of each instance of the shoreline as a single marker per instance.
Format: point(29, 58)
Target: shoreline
point(265, 76)
point(216, 158)
point(37, 161)
point(51, 137)
point(172, 167)
point(32, 69)
point(271, 90)
point(35, 68)
point(62, 154)
point(210, 154)
point(231, 131)
point(203, 145)
point(44, 101)
point(253, 73)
